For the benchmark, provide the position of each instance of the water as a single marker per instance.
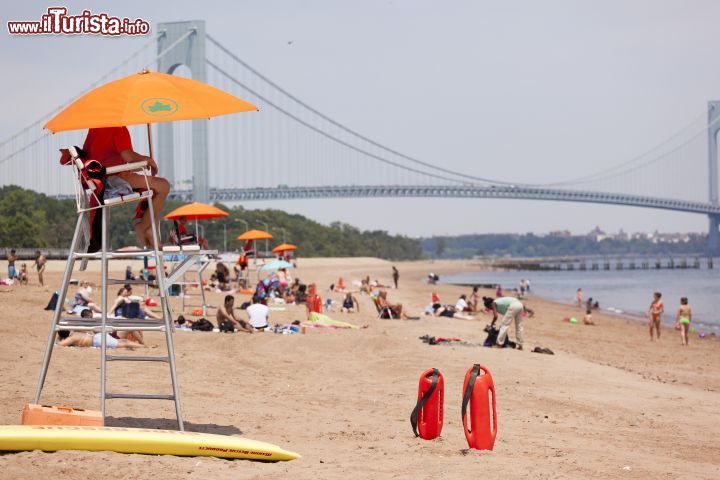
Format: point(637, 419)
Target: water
point(626, 292)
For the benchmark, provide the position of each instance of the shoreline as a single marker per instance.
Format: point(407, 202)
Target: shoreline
point(668, 320)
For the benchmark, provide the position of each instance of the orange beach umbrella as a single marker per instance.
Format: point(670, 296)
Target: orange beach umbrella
point(284, 247)
point(254, 235)
point(196, 211)
point(146, 97)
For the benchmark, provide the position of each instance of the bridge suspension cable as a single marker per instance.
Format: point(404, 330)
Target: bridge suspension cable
point(96, 83)
point(464, 177)
point(642, 160)
point(326, 134)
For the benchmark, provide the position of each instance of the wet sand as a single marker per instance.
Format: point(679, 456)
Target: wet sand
point(608, 404)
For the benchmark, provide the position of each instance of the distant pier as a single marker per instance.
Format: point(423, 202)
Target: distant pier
point(596, 263)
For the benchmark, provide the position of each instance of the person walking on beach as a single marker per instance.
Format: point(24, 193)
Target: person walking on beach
point(111, 147)
point(522, 287)
point(579, 297)
point(655, 314)
point(39, 263)
point(684, 316)
point(511, 309)
point(12, 258)
point(396, 276)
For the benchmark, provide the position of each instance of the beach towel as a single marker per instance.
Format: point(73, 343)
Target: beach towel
point(318, 319)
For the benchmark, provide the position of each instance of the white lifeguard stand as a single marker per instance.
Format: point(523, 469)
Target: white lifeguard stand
point(89, 200)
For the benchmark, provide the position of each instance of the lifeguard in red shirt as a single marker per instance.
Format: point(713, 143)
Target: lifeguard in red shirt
point(111, 147)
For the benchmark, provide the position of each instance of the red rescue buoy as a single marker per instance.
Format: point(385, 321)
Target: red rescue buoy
point(479, 422)
point(427, 417)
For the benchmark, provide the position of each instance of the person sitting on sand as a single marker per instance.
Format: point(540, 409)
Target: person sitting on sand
point(512, 310)
point(95, 340)
point(655, 314)
point(350, 304)
point(129, 273)
point(396, 309)
point(23, 277)
point(461, 305)
point(223, 276)
point(683, 317)
point(82, 299)
point(125, 298)
point(226, 313)
point(587, 320)
point(365, 286)
point(258, 314)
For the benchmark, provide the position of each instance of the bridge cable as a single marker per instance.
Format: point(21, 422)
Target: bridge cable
point(349, 130)
point(460, 174)
point(327, 135)
point(88, 88)
point(617, 169)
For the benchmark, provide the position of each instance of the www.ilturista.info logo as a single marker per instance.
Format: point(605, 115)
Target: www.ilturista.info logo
point(56, 21)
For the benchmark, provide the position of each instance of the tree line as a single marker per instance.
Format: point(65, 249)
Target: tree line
point(33, 220)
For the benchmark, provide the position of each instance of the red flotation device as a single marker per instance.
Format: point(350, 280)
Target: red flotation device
point(427, 416)
point(478, 388)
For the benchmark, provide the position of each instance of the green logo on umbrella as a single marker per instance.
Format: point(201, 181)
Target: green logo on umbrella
point(159, 107)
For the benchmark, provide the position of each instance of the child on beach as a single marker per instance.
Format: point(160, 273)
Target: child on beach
point(588, 317)
point(655, 313)
point(23, 276)
point(684, 316)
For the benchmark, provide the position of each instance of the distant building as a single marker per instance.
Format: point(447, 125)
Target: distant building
point(597, 234)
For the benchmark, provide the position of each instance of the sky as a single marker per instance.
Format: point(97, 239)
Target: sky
point(524, 91)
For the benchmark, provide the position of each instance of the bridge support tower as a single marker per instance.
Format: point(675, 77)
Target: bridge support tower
point(714, 220)
point(190, 51)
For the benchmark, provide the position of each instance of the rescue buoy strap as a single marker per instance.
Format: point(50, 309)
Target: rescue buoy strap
point(468, 391)
point(423, 400)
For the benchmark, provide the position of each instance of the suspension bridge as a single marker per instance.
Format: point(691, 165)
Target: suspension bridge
point(291, 150)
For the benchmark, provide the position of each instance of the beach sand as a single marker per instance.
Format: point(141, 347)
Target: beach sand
point(609, 403)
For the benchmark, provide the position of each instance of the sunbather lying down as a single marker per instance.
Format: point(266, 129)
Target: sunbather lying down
point(90, 340)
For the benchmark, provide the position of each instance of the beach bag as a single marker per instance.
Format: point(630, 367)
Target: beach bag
point(202, 325)
point(53, 301)
point(491, 338)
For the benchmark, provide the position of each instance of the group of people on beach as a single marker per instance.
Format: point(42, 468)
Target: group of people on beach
point(683, 315)
point(22, 276)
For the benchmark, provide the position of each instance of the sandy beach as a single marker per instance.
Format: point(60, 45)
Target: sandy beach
point(609, 404)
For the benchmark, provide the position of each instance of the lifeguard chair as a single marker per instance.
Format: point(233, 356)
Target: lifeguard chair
point(88, 182)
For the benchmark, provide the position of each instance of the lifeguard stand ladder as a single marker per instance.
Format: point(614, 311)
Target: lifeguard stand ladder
point(104, 325)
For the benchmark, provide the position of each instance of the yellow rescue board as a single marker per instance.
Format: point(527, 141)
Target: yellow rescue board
point(137, 440)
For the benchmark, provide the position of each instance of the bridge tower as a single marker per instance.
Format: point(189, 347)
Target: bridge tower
point(714, 220)
point(188, 39)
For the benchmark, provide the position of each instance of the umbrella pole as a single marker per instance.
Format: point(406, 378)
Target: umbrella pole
point(149, 131)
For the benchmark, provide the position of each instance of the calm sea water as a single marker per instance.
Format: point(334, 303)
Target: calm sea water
point(626, 292)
